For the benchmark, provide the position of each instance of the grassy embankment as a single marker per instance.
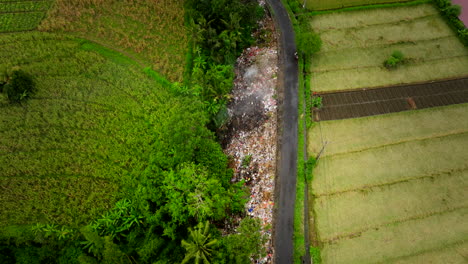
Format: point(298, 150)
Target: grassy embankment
point(395, 194)
point(356, 43)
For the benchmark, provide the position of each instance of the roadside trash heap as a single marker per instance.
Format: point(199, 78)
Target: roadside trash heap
point(252, 145)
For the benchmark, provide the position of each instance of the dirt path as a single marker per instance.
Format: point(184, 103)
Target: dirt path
point(342, 105)
point(287, 164)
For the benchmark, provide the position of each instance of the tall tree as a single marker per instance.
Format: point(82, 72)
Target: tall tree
point(199, 246)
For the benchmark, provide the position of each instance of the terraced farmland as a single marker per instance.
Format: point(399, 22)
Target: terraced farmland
point(22, 15)
point(392, 188)
point(65, 152)
point(356, 43)
point(336, 4)
point(150, 32)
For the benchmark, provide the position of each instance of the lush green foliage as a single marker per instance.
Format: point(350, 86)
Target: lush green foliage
point(239, 248)
point(118, 161)
point(308, 42)
point(220, 30)
point(131, 137)
point(316, 101)
point(199, 246)
point(18, 85)
point(451, 12)
point(396, 59)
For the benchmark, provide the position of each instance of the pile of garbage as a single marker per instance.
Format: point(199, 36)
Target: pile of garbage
point(252, 130)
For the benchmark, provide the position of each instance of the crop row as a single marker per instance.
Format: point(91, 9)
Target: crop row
point(58, 198)
point(11, 22)
point(335, 4)
point(26, 6)
point(92, 121)
point(150, 31)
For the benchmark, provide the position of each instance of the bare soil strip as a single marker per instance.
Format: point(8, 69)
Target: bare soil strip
point(369, 102)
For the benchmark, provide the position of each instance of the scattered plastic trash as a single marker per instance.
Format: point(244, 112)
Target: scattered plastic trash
point(256, 79)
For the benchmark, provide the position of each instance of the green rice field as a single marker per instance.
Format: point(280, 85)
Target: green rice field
point(356, 44)
point(150, 32)
point(66, 152)
point(392, 188)
point(22, 15)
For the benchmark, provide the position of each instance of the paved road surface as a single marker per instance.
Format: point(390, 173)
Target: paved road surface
point(287, 165)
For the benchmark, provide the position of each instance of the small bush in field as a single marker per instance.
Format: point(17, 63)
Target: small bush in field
point(395, 60)
point(19, 85)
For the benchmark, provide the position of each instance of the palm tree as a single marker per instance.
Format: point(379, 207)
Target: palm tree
point(199, 244)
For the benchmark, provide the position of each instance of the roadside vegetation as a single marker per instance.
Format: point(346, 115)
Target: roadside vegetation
point(110, 160)
point(308, 43)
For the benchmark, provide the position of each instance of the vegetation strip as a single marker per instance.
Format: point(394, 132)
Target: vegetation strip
point(356, 103)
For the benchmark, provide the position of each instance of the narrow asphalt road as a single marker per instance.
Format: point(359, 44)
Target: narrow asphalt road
point(287, 165)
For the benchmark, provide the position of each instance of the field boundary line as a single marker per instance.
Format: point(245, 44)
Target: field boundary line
point(382, 67)
point(403, 21)
point(19, 1)
point(23, 11)
point(397, 222)
point(448, 173)
point(456, 243)
point(433, 136)
point(57, 176)
point(48, 126)
point(407, 42)
point(17, 31)
point(369, 6)
point(110, 108)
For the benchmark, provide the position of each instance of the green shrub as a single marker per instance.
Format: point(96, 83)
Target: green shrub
point(317, 101)
point(442, 3)
point(452, 10)
point(246, 161)
point(395, 60)
point(398, 55)
point(450, 13)
point(315, 255)
point(309, 43)
point(19, 86)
